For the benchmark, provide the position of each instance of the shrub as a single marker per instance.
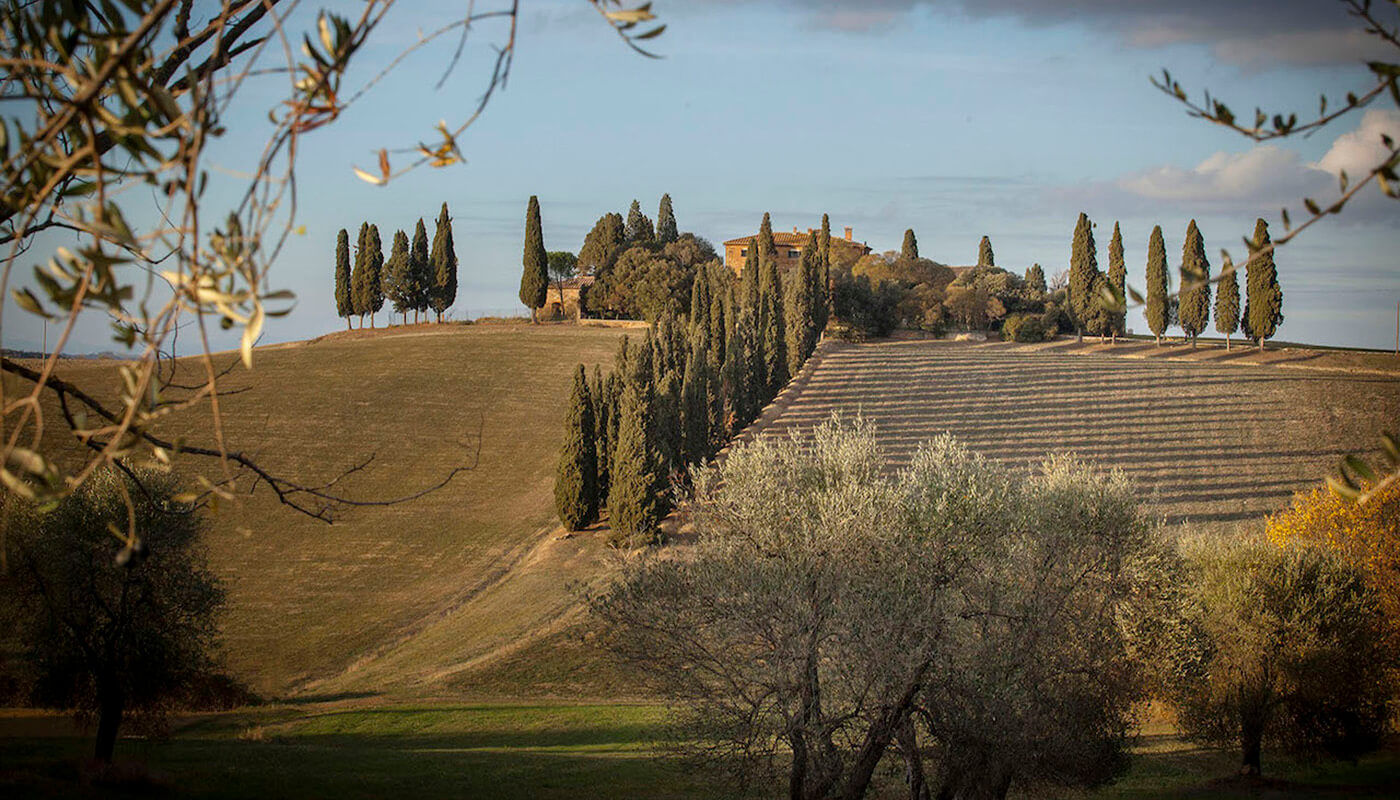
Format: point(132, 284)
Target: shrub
point(1023, 328)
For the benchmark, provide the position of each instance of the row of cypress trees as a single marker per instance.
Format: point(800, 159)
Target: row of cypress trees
point(694, 381)
point(1097, 302)
point(413, 279)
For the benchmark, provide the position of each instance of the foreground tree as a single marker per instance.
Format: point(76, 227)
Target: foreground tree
point(112, 637)
point(374, 274)
point(841, 610)
point(534, 280)
point(563, 265)
point(1194, 299)
point(639, 229)
point(636, 475)
point(1157, 307)
point(576, 481)
point(344, 304)
point(1284, 646)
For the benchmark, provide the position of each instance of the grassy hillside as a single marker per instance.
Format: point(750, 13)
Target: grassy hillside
point(1211, 444)
point(308, 601)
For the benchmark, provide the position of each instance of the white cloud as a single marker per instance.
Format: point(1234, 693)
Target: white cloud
point(1264, 174)
point(1359, 151)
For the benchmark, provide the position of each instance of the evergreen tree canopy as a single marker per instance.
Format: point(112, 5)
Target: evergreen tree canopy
point(1227, 301)
point(638, 230)
point(1157, 310)
point(604, 403)
point(774, 331)
point(748, 278)
point(767, 250)
point(374, 275)
point(602, 245)
point(444, 262)
point(1193, 310)
point(398, 277)
point(908, 252)
point(635, 477)
point(344, 302)
point(575, 482)
point(984, 253)
point(824, 247)
point(1084, 277)
point(360, 272)
point(534, 280)
point(1263, 297)
point(666, 222)
point(1117, 280)
point(420, 268)
point(801, 314)
point(1035, 280)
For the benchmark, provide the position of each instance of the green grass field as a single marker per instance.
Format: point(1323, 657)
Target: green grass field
point(535, 751)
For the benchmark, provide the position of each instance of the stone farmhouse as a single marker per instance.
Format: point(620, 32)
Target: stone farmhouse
point(789, 246)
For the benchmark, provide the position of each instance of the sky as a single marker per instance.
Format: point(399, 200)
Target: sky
point(955, 118)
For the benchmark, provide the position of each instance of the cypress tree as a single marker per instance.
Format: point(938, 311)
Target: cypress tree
point(358, 298)
point(1157, 310)
point(1035, 280)
point(1263, 310)
point(824, 300)
point(1194, 308)
point(398, 279)
point(774, 330)
point(633, 507)
point(344, 302)
point(638, 230)
point(984, 253)
point(695, 401)
point(444, 262)
point(374, 275)
point(767, 250)
point(1227, 302)
point(667, 425)
point(700, 301)
point(575, 483)
point(666, 222)
point(1117, 280)
point(534, 280)
point(602, 246)
point(748, 278)
point(598, 392)
point(801, 313)
point(910, 250)
point(718, 291)
point(420, 267)
point(1084, 277)
point(743, 371)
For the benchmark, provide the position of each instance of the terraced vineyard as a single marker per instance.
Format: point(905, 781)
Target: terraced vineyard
point(1211, 444)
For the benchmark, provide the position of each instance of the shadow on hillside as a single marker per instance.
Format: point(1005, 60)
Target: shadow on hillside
point(330, 697)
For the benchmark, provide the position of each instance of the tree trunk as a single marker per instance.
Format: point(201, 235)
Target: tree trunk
point(1227, 342)
point(908, 741)
point(111, 704)
point(1261, 344)
point(1079, 335)
point(1251, 738)
point(1193, 341)
point(347, 324)
point(1157, 337)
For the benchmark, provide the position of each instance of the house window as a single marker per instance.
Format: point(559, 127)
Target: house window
point(794, 254)
point(744, 253)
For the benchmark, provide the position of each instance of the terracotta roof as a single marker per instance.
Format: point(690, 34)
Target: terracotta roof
point(578, 282)
point(784, 239)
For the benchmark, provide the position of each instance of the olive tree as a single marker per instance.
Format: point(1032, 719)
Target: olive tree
point(1284, 646)
point(112, 637)
point(832, 611)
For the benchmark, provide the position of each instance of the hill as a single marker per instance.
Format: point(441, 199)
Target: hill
point(311, 603)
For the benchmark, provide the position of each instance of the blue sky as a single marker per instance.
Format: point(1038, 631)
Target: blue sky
point(887, 114)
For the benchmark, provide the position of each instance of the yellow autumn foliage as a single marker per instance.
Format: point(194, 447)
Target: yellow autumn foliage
point(1368, 533)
